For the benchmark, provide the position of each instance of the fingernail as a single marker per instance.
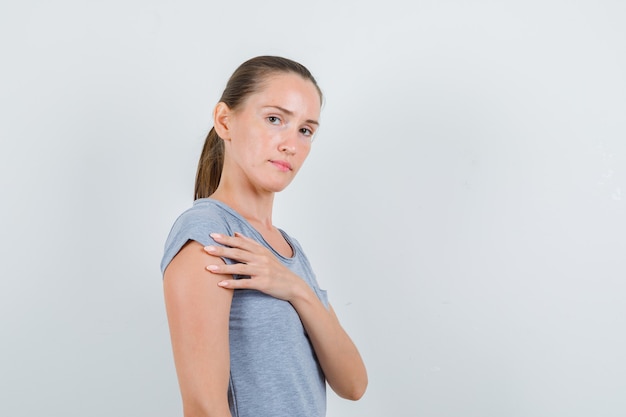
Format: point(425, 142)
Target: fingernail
point(215, 235)
point(209, 248)
point(212, 267)
point(223, 283)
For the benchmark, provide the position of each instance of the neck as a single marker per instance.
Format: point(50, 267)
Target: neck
point(256, 208)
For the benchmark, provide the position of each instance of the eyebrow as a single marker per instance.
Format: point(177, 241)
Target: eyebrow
point(290, 113)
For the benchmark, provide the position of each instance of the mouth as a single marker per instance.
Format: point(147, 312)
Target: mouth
point(283, 166)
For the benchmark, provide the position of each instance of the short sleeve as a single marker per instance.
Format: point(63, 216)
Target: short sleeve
point(194, 224)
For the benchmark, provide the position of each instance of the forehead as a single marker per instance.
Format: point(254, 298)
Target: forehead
point(287, 90)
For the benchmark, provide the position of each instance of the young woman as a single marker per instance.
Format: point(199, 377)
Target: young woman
point(252, 333)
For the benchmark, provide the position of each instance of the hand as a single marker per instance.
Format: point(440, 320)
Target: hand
point(267, 273)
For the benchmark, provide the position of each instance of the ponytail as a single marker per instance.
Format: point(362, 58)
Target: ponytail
point(210, 166)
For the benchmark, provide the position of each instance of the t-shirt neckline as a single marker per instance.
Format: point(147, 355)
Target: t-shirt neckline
point(259, 236)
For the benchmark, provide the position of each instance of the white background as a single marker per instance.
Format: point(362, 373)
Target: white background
point(464, 202)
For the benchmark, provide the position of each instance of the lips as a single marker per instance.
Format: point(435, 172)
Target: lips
point(281, 165)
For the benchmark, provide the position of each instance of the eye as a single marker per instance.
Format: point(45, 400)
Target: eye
point(273, 120)
point(306, 131)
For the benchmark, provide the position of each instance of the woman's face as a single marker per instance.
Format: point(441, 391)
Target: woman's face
point(269, 136)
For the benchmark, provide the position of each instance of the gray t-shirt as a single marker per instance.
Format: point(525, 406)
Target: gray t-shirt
point(273, 369)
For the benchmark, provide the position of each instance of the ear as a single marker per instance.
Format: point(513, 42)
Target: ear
point(221, 119)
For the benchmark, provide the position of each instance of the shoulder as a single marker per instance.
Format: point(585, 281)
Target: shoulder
point(206, 216)
point(204, 213)
point(203, 218)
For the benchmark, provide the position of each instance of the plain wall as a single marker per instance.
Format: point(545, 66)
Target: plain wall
point(463, 204)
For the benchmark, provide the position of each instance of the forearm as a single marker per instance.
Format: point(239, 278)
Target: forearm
point(338, 356)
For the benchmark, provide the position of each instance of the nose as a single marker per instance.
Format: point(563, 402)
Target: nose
point(289, 142)
point(290, 149)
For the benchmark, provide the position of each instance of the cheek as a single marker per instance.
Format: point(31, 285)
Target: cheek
point(305, 150)
point(303, 154)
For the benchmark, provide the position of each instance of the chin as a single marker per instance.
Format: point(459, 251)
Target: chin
point(277, 187)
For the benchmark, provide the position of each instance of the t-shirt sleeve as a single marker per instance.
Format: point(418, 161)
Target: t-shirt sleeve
point(192, 225)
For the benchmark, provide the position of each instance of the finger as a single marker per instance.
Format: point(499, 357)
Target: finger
point(244, 237)
point(236, 284)
point(228, 252)
point(235, 269)
point(237, 241)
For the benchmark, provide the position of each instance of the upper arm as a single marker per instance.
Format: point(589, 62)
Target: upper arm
point(198, 313)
